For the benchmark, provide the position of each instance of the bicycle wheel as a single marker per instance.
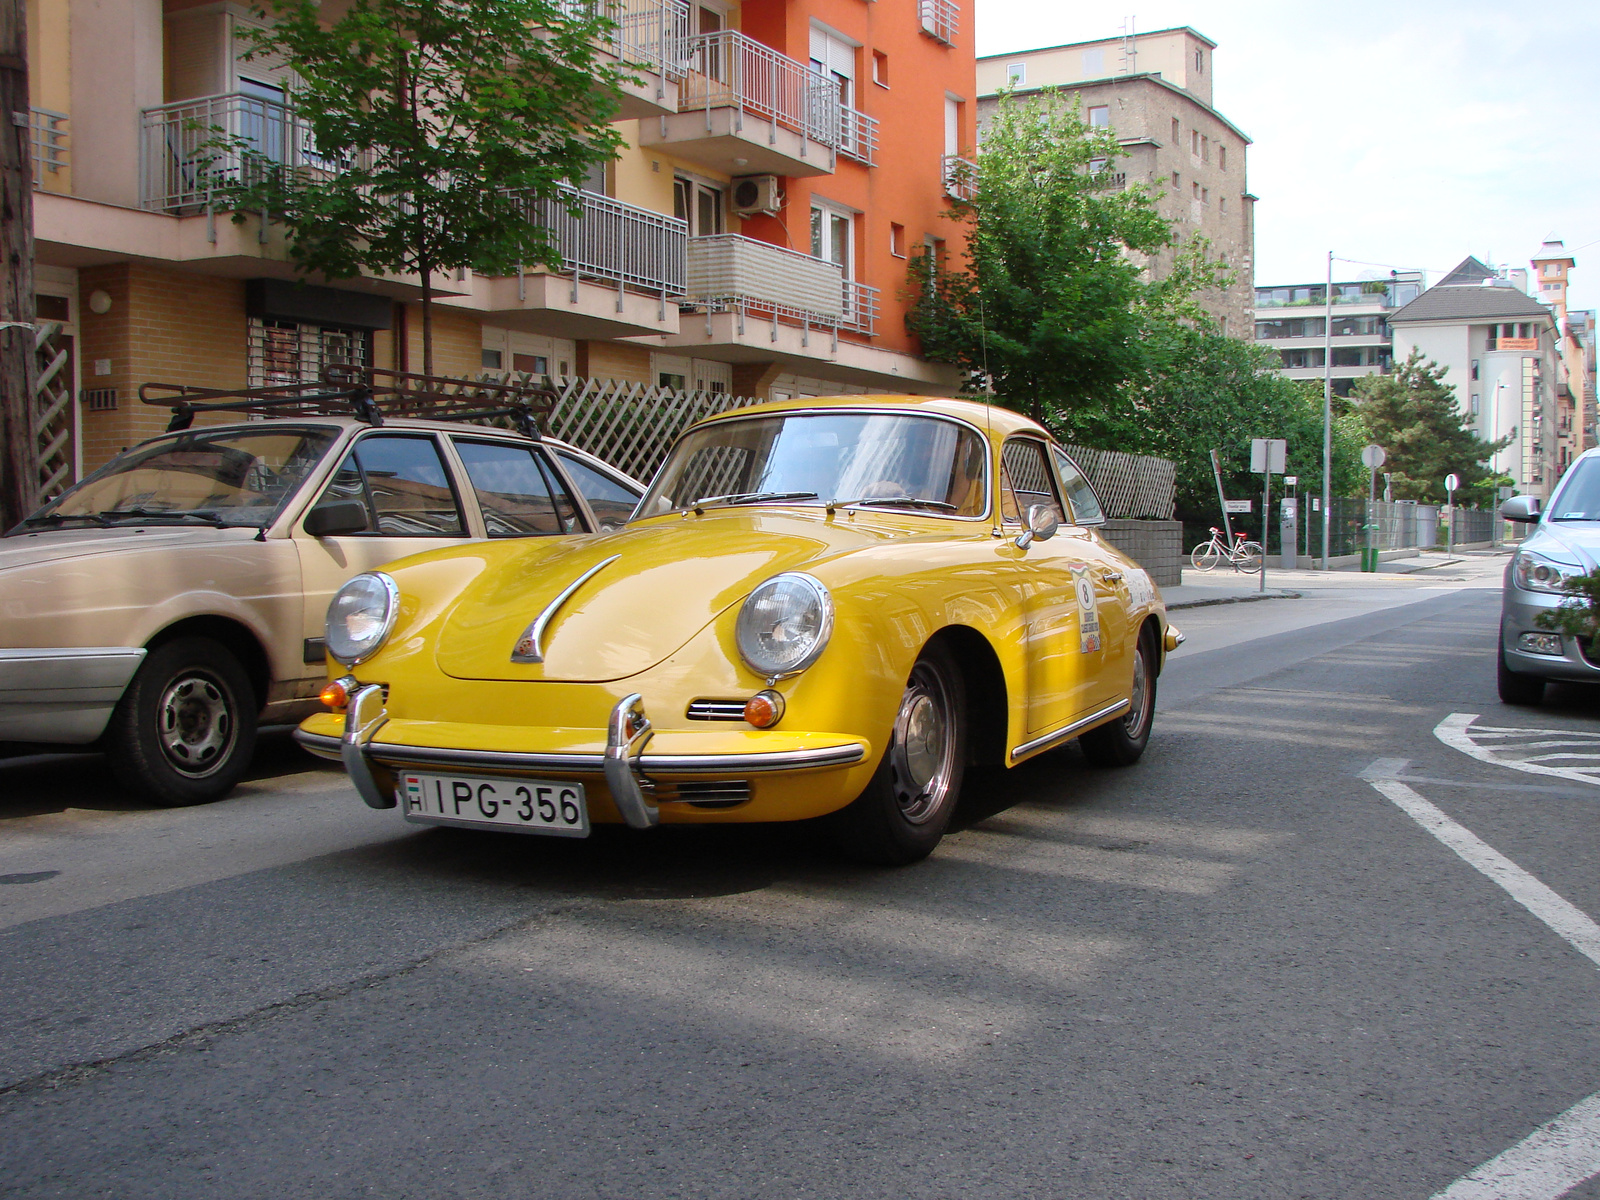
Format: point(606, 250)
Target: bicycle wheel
point(1247, 557)
point(1205, 556)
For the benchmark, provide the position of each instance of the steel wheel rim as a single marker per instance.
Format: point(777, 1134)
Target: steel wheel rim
point(1138, 713)
point(195, 724)
point(922, 754)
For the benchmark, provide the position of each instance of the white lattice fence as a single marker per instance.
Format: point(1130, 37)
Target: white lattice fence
point(1129, 485)
point(52, 411)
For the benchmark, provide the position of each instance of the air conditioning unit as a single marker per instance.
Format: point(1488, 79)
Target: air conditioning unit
point(757, 194)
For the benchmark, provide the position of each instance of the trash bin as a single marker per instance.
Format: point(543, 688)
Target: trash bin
point(1369, 559)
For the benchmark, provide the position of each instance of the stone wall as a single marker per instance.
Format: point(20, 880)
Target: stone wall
point(1157, 546)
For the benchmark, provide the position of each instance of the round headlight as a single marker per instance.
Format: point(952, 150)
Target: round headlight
point(785, 624)
point(360, 617)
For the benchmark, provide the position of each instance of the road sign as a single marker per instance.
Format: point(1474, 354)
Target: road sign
point(1372, 456)
point(1290, 507)
point(1238, 506)
point(1268, 455)
point(1451, 482)
point(1291, 480)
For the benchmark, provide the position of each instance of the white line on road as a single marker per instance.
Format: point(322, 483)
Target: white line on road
point(1564, 1152)
point(1505, 744)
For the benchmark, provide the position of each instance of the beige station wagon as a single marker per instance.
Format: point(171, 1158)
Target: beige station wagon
point(175, 598)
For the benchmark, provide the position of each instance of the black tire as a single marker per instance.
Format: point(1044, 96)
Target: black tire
point(185, 730)
point(1526, 690)
point(1119, 743)
point(1205, 556)
point(905, 809)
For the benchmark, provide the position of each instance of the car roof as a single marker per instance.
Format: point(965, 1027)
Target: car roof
point(1001, 422)
point(412, 424)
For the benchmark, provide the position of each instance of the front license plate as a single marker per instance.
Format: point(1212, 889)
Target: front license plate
point(548, 806)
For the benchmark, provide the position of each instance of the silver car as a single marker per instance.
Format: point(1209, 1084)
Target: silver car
point(1564, 543)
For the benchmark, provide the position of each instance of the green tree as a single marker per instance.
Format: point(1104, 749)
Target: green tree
point(1412, 413)
point(1052, 302)
point(433, 125)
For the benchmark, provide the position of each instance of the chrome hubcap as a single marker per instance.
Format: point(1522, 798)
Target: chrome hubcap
point(194, 724)
point(1137, 714)
point(923, 752)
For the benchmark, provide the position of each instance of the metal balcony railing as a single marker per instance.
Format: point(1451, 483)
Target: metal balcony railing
point(731, 273)
point(616, 242)
point(49, 135)
point(729, 70)
point(941, 19)
point(858, 137)
point(650, 34)
point(179, 167)
point(960, 178)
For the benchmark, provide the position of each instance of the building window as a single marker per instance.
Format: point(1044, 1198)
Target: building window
point(1099, 116)
point(1176, 181)
point(1552, 269)
point(1474, 370)
point(1177, 134)
point(1222, 157)
point(1205, 149)
point(289, 352)
point(1017, 74)
point(1199, 62)
point(880, 68)
point(833, 237)
point(1222, 204)
point(494, 360)
point(699, 204)
point(1474, 403)
point(897, 240)
point(1194, 143)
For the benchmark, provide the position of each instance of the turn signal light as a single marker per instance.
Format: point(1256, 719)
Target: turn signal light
point(337, 694)
point(764, 709)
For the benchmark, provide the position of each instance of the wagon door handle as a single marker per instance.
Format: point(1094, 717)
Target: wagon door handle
point(1111, 576)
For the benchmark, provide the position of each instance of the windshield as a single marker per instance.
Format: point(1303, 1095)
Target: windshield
point(227, 477)
point(1579, 497)
point(876, 459)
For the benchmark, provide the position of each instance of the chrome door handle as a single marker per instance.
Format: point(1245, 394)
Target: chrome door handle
point(1111, 576)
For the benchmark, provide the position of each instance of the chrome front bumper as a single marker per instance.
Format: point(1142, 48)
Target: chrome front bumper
point(63, 695)
point(624, 765)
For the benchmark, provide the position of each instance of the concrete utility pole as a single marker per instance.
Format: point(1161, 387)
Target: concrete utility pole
point(19, 449)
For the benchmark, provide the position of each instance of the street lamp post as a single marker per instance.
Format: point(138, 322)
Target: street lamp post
point(1327, 407)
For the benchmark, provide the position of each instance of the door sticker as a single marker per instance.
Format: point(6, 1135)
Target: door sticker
point(1141, 591)
point(1088, 611)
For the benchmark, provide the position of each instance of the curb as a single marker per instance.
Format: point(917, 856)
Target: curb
point(1247, 599)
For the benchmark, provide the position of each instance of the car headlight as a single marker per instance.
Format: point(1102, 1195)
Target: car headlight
point(1536, 574)
point(360, 616)
point(784, 624)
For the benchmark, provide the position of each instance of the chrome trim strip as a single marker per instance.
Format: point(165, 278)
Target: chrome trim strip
point(365, 717)
point(1061, 735)
point(655, 764)
point(629, 727)
point(319, 744)
point(533, 635)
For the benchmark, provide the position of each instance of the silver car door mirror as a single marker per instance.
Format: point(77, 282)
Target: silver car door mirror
point(1042, 526)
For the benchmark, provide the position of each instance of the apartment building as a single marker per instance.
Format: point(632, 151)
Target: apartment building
point(1153, 91)
point(782, 158)
point(1293, 321)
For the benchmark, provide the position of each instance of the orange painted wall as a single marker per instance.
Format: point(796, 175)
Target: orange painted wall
point(907, 184)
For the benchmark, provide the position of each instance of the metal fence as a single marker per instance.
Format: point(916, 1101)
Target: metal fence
point(858, 136)
point(49, 135)
point(1474, 525)
point(940, 19)
point(647, 33)
point(960, 178)
point(1129, 485)
point(729, 70)
point(616, 242)
point(1395, 526)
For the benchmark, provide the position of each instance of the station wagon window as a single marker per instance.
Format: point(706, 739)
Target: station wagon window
point(1086, 508)
point(1027, 480)
point(518, 492)
point(403, 483)
point(612, 502)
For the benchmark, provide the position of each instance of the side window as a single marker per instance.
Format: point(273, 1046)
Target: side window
point(1027, 480)
point(1086, 508)
point(612, 502)
point(402, 482)
point(517, 490)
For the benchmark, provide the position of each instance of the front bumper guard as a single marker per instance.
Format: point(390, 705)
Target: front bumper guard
point(365, 716)
point(629, 728)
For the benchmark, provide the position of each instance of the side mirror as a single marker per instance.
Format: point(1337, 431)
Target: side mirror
point(1524, 509)
point(1042, 526)
point(335, 517)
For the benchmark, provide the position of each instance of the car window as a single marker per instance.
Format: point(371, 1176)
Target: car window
point(613, 501)
point(1027, 480)
point(403, 483)
point(1086, 508)
point(518, 492)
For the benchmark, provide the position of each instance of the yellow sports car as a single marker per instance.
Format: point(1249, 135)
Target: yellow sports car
point(821, 608)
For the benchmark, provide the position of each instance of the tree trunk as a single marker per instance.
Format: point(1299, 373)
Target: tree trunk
point(19, 443)
point(427, 320)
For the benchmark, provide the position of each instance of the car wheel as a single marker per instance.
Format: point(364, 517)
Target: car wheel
point(905, 809)
point(185, 730)
point(1119, 743)
point(1518, 689)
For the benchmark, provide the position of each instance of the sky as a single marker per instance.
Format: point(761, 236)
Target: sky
point(1404, 134)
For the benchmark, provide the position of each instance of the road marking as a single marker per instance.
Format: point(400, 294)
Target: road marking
point(1564, 1152)
point(1567, 753)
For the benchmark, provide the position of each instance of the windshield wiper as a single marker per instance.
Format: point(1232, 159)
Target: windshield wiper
point(147, 514)
point(896, 502)
point(57, 518)
point(751, 498)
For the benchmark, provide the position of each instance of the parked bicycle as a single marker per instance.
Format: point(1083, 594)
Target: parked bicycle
point(1241, 555)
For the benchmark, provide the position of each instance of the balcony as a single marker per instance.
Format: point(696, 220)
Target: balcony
point(858, 137)
point(941, 20)
point(745, 109)
point(49, 137)
point(622, 270)
point(650, 36)
point(960, 178)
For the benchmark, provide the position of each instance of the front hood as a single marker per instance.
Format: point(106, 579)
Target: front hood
point(1577, 542)
point(670, 579)
point(59, 545)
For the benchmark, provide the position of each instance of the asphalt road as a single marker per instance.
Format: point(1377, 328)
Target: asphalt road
point(1300, 950)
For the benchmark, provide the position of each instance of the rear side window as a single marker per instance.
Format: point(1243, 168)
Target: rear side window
point(1086, 508)
point(403, 484)
point(517, 490)
point(1027, 480)
point(612, 501)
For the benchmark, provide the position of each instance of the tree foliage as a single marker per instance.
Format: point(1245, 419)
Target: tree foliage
point(433, 124)
point(1412, 413)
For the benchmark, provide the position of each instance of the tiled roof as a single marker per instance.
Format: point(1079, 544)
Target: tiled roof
point(1443, 303)
point(1468, 270)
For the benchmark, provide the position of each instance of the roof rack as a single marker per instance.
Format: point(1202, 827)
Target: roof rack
point(369, 394)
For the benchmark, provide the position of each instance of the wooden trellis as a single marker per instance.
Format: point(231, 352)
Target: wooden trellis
point(52, 412)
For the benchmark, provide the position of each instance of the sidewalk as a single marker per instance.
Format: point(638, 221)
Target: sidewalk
point(1223, 586)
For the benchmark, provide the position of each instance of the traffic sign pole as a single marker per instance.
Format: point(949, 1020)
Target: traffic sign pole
point(1451, 482)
